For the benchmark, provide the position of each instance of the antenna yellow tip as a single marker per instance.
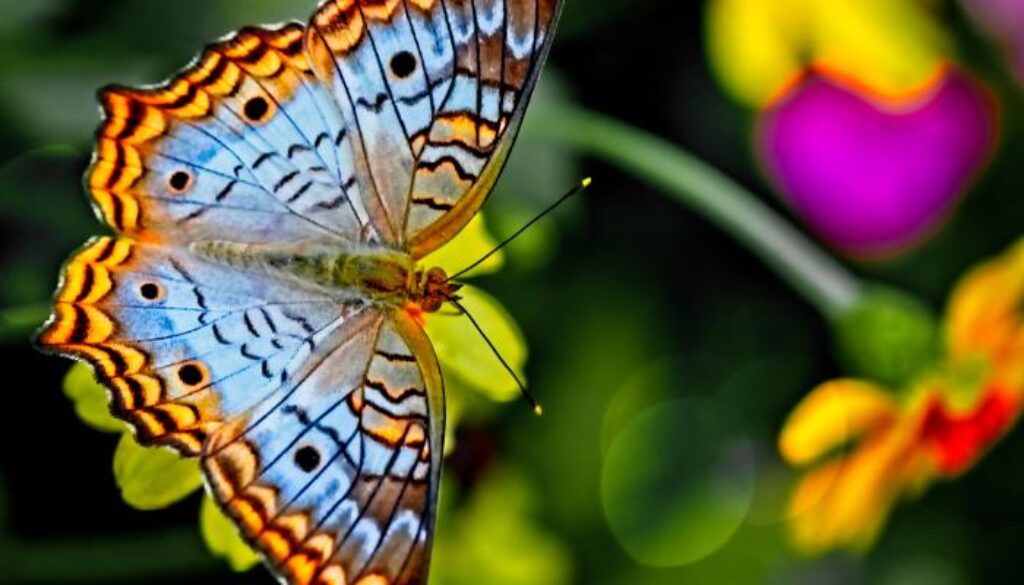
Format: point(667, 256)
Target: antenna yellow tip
point(538, 410)
point(587, 182)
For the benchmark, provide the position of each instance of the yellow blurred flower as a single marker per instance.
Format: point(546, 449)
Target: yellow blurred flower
point(986, 317)
point(155, 478)
point(759, 48)
point(869, 447)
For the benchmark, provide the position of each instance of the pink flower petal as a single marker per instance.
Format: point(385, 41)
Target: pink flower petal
point(870, 177)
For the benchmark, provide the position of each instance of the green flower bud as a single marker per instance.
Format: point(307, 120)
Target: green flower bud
point(889, 337)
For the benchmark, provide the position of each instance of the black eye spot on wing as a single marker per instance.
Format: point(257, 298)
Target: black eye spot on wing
point(151, 291)
point(403, 64)
point(191, 374)
point(307, 459)
point(180, 181)
point(257, 109)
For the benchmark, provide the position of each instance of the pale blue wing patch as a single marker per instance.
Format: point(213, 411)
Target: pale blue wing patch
point(183, 344)
point(246, 139)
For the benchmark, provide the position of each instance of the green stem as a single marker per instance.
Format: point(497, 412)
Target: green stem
point(822, 280)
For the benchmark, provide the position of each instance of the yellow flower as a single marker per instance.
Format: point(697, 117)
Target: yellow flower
point(869, 448)
point(758, 48)
point(843, 502)
point(986, 317)
point(154, 478)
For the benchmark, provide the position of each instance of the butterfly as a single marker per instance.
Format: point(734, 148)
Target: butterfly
point(261, 304)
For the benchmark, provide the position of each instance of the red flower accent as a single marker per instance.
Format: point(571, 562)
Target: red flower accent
point(958, 440)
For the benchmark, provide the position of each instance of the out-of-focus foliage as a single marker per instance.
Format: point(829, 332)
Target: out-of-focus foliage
point(676, 486)
point(497, 537)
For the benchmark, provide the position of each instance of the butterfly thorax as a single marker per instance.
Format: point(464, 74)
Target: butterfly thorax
point(380, 274)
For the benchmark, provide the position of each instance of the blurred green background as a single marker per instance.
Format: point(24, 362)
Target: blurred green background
point(666, 355)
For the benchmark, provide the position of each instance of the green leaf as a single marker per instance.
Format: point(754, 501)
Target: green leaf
point(91, 400)
point(464, 353)
point(472, 244)
point(223, 539)
point(153, 478)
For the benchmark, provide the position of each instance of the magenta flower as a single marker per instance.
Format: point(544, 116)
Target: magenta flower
point(871, 176)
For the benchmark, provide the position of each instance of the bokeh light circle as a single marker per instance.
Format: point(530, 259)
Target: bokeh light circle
point(678, 482)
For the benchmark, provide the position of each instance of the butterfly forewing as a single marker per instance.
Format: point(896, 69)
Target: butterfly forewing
point(244, 140)
point(437, 91)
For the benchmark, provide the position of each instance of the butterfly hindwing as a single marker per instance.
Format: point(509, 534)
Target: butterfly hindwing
point(334, 477)
point(182, 344)
point(245, 140)
point(436, 90)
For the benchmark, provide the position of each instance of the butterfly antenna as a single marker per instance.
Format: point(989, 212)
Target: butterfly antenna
point(579, 188)
point(534, 405)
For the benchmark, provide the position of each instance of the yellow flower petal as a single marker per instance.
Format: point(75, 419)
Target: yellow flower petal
point(758, 47)
point(807, 512)
point(92, 404)
point(472, 244)
point(751, 44)
point(223, 539)
point(464, 353)
point(153, 478)
point(857, 500)
point(832, 415)
point(985, 315)
point(894, 46)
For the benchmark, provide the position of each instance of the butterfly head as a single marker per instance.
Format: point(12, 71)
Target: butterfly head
point(433, 290)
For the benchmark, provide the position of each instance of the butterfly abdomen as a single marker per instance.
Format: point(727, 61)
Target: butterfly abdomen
point(380, 274)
